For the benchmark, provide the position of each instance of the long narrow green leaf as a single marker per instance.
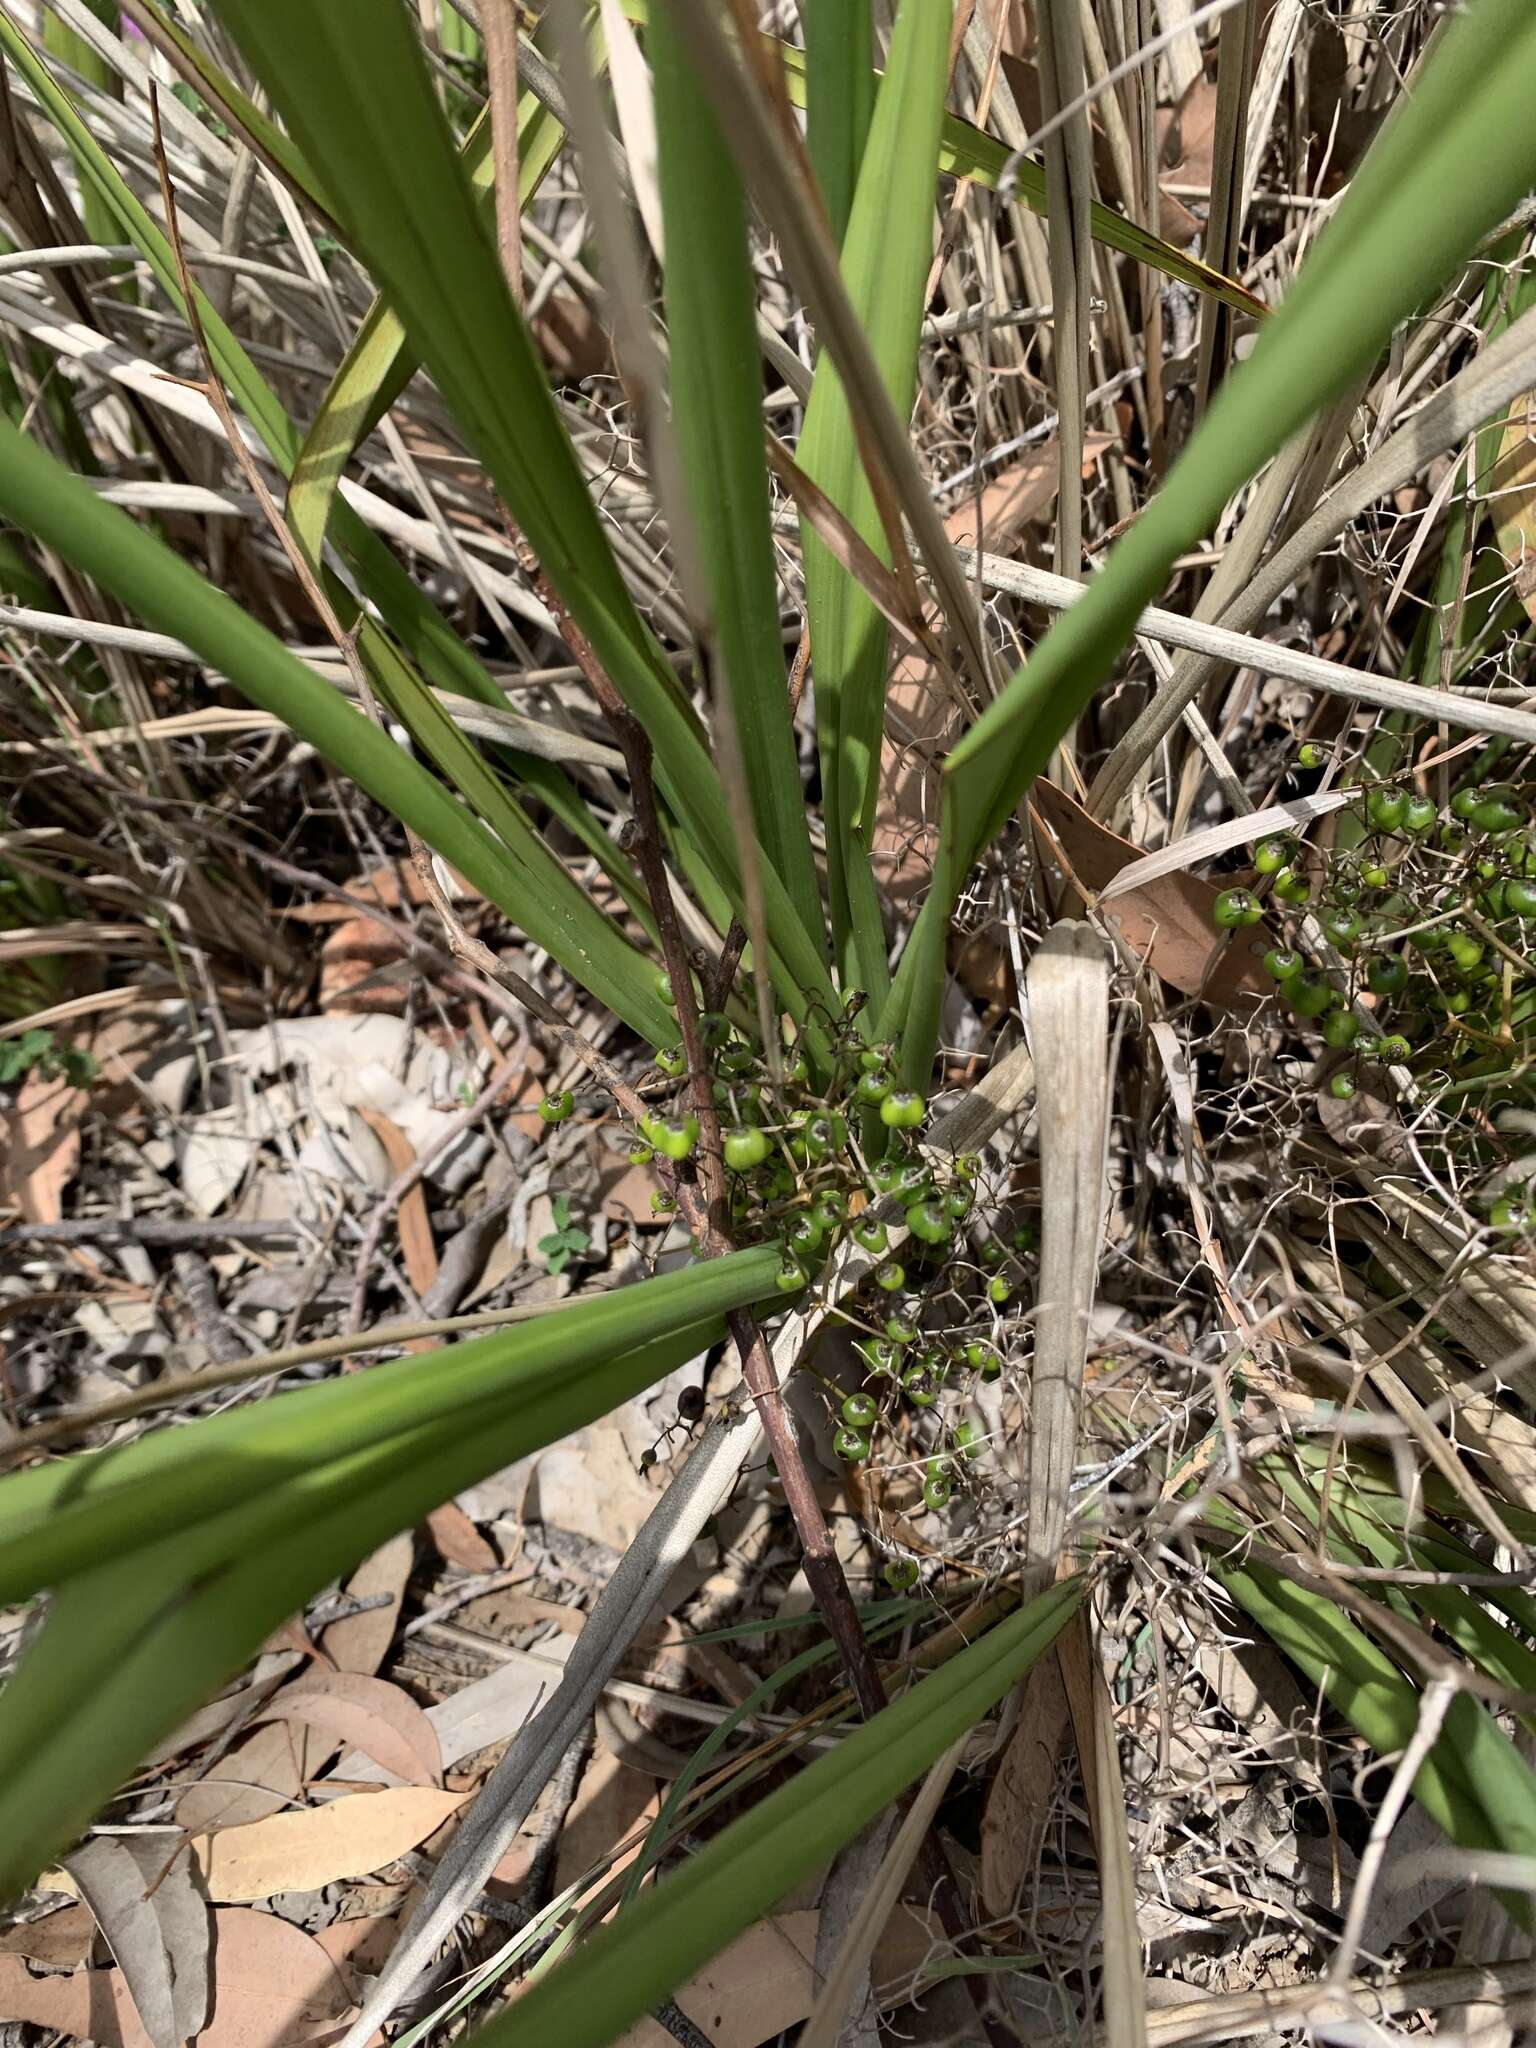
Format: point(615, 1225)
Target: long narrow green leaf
point(717, 394)
point(1456, 161)
point(887, 252)
point(533, 888)
point(839, 98)
point(137, 1639)
point(44, 499)
point(968, 152)
point(658, 1942)
point(381, 361)
point(57, 1518)
point(350, 79)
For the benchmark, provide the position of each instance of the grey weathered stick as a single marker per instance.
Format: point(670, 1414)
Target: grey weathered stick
point(1069, 1022)
point(630, 1597)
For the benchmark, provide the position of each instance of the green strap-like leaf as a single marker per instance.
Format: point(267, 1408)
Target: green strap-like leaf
point(350, 79)
point(56, 1519)
point(1438, 178)
point(887, 252)
point(140, 1637)
point(968, 152)
point(533, 887)
point(659, 1941)
point(839, 99)
point(717, 410)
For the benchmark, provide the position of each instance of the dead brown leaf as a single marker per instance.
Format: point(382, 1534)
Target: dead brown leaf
point(416, 1246)
point(368, 1714)
point(60, 1941)
point(272, 1986)
point(1018, 1807)
point(299, 1852)
point(1169, 923)
point(459, 1541)
point(40, 1146)
point(764, 1983)
point(361, 1642)
point(262, 1775)
point(1511, 487)
point(155, 1922)
point(353, 964)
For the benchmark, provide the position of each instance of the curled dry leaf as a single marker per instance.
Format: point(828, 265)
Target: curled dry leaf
point(368, 1714)
point(299, 1852)
point(1169, 922)
point(272, 1985)
point(154, 1920)
point(416, 1246)
point(459, 1541)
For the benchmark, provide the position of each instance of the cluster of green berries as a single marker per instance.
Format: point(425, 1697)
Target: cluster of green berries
point(1431, 910)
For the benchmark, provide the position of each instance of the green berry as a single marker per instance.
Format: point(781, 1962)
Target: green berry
point(852, 1445)
point(1393, 1049)
point(903, 1110)
point(1292, 887)
point(1509, 1214)
point(1458, 1002)
point(554, 1109)
point(1310, 755)
point(1235, 908)
point(860, 1410)
point(641, 1155)
point(1464, 950)
point(1495, 814)
point(1340, 1030)
point(1374, 876)
point(873, 1088)
point(665, 991)
point(736, 1060)
point(1283, 963)
point(1341, 1087)
point(881, 1355)
point(967, 1164)
point(1420, 815)
point(1465, 802)
point(900, 1329)
point(890, 1275)
point(745, 1147)
point(804, 1236)
point(928, 1221)
point(830, 1211)
point(662, 1204)
point(884, 1177)
point(1387, 808)
point(1344, 927)
point(991, 1253)
point(919, 1387)
point(825, 1135)
point(1026, 1238)
point(871, 1235)
point(872, 1059)
point(796, 1070)
point(999, 1289)
point(959, 1203)
point(1519, 898)
point(672, 1060)
point(1270, 855)
point(969, 1438)
point(790, 1277)
point(1387, 974)
point(914, 1183)
point(902, 1574)
point(675, 1136)
point(1309, 995)
point(938, 1488)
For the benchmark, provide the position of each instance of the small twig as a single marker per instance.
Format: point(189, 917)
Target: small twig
point(224, 1341)
point(154, 1230)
